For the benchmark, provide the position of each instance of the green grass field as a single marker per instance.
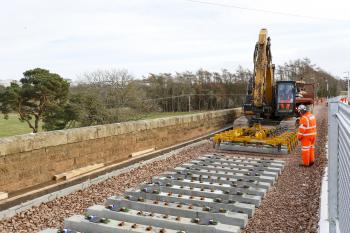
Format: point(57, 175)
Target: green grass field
point(13, 126)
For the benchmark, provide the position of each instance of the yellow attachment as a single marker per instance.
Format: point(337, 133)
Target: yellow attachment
point(237, 132)
point(258, 135)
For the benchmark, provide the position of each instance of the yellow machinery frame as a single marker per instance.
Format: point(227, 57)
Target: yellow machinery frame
point(258, 135)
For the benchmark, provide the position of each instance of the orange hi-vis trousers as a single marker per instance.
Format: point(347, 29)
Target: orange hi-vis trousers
point(308, 149)
point(307, 136)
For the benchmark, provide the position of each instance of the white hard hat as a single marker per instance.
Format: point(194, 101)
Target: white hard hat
point(301, 108)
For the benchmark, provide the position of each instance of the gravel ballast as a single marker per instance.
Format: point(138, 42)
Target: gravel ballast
point(52, 214)
point(292, 205)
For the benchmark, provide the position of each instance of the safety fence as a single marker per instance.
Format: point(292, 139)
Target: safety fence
point(339, 166)
point(196, 102)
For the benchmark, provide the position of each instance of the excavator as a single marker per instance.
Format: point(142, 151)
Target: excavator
point(268, 124)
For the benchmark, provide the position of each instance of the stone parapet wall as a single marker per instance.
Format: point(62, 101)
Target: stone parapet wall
point(33, 159)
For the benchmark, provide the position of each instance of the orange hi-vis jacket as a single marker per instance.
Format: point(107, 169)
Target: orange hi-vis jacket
point(307, 126)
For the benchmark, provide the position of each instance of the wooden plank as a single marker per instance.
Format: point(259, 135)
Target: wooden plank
point(77, 172)
point(3, 195)
point(142, 152)
point(59, 176)
point(82, 170)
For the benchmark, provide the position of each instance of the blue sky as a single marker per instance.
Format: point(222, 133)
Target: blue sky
point(143, 36)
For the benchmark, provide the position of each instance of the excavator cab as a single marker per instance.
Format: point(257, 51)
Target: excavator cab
point(285, 92)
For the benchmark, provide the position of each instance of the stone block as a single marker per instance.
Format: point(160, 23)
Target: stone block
point(138, 126)
point(81, 134)
point(16, 144)
point(129, 126)
point(48, 139)
point(102, 131)
point(153, 124)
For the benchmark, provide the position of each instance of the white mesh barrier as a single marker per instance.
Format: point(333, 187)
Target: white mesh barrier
point(339, 166)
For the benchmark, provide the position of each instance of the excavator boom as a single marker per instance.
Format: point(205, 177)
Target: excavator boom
point(263, 73)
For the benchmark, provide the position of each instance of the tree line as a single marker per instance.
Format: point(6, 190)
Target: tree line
point(108, 96)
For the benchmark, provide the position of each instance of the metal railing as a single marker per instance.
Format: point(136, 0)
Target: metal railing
point(338, 166)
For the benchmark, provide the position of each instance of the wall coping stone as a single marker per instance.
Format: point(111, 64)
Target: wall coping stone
point(31, 141)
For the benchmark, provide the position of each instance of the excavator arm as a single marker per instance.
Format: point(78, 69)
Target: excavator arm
point(263, 71)
point(260, 99)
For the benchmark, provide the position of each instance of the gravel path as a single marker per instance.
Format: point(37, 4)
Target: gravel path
point(291, 206)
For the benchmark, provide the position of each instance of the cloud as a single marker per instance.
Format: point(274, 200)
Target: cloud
point(71, 37)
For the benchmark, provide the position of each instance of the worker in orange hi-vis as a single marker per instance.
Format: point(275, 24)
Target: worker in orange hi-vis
point(307, 135)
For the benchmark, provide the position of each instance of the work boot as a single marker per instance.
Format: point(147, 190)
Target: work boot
point(311, 163)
